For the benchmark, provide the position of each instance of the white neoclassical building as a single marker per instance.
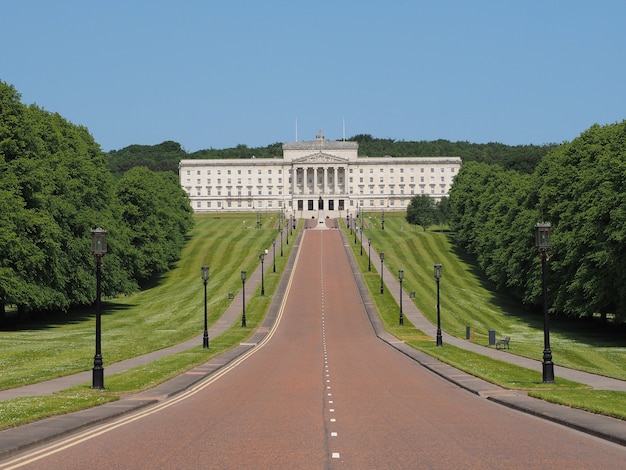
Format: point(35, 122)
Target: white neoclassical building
point(316, 178)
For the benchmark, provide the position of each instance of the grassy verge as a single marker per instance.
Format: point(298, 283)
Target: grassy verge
point(140, 309)
point(471, 301)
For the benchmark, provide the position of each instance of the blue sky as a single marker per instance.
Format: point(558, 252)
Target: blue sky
point(217, 74)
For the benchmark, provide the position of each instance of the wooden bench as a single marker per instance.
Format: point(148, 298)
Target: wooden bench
point(503, 342)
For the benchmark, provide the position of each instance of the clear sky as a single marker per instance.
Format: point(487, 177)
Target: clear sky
point(209, 73)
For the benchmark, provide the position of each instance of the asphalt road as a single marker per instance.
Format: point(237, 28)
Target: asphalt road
point(324, 392)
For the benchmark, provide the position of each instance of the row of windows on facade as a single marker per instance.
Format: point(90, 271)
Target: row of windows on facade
point(270, 205)
point(381, 179)
point(442, 190)
point(280, 171)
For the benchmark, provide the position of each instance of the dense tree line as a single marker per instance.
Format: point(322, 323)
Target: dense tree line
point(165, 156)
point(580, 188)
point(55, 186)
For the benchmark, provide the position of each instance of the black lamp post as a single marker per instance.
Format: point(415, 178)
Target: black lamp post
point(383, 221)
point(243, 291)
point(438, 278)
point(369, 251)
point(287, 234)
point(98, 249)
point(356, 227)
point(280, 229)
point(262, 257)
point(274, 247)
point(542, 242)
point(361, 235)
point(348, 218)
point(293, 222)
point(205, 337)
point(400, 278)
point(382, 259)
point(350, 224)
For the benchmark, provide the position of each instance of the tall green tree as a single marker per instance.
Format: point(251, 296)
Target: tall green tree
point(421, 211)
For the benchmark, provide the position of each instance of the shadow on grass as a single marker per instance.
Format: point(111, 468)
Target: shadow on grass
point(43, 320)
point(588, 331)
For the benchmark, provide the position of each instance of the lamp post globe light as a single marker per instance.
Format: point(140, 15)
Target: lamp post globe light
point(369, 251)
point(438, 278)
point(542, 242)
point(243, 292)
point(274, 246)
point(262, 257)
point(400, 278)
point(98, 249)
point(382, 259)
point(205, 278)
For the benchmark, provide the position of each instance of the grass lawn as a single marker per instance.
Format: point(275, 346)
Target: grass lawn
point(472, 301)
point(167, 314)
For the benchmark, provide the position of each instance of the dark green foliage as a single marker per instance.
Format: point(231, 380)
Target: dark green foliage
point(422, 211)
point(580, 188)
point(55, 186)
point(167, 155)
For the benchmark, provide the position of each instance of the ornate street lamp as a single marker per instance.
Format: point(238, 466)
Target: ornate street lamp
point(400, 278)
point(262, 257)
point(382, 259)
point(274, 246)
point(542, 242)
point(280, 229)
point(350, 224)
point(383, 220)
point(438, 278)
point(369, 251)
point(205, 337)
point(243, 291)
point(98, 249)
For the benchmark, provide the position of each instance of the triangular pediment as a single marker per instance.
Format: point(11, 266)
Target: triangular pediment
point(320, 157)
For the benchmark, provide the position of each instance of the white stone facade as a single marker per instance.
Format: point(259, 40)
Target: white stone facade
point(315, 179)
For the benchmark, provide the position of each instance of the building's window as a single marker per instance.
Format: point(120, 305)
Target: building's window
point(238, 180)
point(239, 172)
point(443, 179)
point(421, 179)
point(391, 203)
point(219, 192)
point(249, 172)
point(381, 179)
point(401, 170)
point(198, 172)
point(451, 170)
point(382, 191)
point(208, 191)
point(198, 193)
point(249, 192)
point(351, 179)
point(371, 179)
point(269, 172)
point(259, 204)
point(259, 171)
point(250, 204)
point(280, 181)
point(219, 204)
point(208, 204)
point(280, 172)
point(360, 179)
point(421, 170)
point(371, 170)
point(402, 179)
point(259, 181)
point(249, 180)
point(228, 203)
point(443, 170)
point(401, 190)
point(188, 180)
point(382, 170)
point(229, 172)
point(228, 182)
point(259, 191)
point(188, 172)
point(219, 172)
point(432, 179)
point(219, 181)
point(269, 204)
point(360, 170)
point(198, 181)
point(198, 204)
point(412, 170)
point(239, 204)
point(371, 203)
point(229, 193)
point(208, 181)
point(432, 170)
point(269, 181)
point(238, 192)
point(269, 191)
point(208, 172)
point(412, 180)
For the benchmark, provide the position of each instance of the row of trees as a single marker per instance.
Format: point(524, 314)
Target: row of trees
point(580, 188)
point(165, 156)
point(55, 186)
